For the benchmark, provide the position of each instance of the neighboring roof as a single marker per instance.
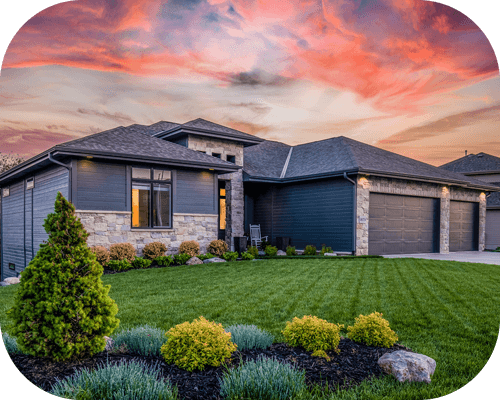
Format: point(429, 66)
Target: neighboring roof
point(337, 155)
point(203, 127)
point(128, 143)
point(471, 163)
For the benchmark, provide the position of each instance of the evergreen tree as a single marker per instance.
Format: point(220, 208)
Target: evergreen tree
point(62, 310)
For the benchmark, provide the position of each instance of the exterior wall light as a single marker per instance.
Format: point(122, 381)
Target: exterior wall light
point(364, 182)
point(482, 196)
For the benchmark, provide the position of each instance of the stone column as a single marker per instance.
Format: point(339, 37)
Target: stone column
point(482, 222)
point(444, 228)
point(362, 215)
point(234, 206)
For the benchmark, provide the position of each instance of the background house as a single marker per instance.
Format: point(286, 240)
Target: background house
point(484, 167)
point(201, 181)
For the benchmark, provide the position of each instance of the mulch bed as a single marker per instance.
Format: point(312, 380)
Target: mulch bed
point(355, 363)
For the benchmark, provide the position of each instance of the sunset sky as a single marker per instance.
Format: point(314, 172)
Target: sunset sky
point(413, 77)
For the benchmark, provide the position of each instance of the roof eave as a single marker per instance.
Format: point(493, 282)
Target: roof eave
point(334, 174)
point(179, 132)
point(480, 172)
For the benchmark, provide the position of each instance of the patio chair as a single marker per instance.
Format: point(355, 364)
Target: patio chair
point(255, 236)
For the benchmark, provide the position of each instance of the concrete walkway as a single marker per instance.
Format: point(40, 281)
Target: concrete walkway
point(484, 257)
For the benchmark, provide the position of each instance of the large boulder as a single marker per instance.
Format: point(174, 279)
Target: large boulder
point(194, 261)
point(12, 280)
point(213, 260)
point(281, 253)
point(406, 366)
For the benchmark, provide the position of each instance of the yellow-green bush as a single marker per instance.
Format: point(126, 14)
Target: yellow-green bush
point(195, 345)
point(313, 334)
point(254, 251)
point(122, 251)
point(190, 247)
point(217, 247)
point(372, 330)
point(310, 250)
point(102, 254)
point(154, 250)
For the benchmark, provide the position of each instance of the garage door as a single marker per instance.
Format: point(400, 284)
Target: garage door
point(492, 229)
point(403, 224)
point(464, 226)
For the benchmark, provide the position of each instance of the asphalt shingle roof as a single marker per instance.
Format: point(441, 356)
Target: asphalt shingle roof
point(153, 129)
point(266, 159)
point(474, 163)
point(203, 124)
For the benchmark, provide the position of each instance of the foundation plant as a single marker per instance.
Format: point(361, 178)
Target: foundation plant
point(372, 330)
point(190, 247)
point(217, 247)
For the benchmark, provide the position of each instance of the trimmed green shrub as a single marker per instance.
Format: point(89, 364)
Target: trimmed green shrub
point(290, 251)
point(254, 251)
point(372, 330)
point(271, 251)
point(247, 256)
point(102, 254)
point(10, 344)
point(154, 250)
point(204, 257)
point(326, 250)
point(61, 308)
point(195, 345)
point(164, 260)
point(310, 250)
point(262, 379)
point(121, 381)
point(217, 247)
point(144, 340)
point(119, 265)
point(497, 249)
point(250, 337)
point(230, 255)
point(122, 251)
point(312, 333)
point(181, 258)
point(140, 262)
point(264, 244)
point(190, 247)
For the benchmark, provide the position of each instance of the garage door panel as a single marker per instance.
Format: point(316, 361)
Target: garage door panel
point(377, 223)
point(411, 224)
point(492, 236)
point(394, 201)
point(411, 214)
point(412, 201)
point(394, 235)
point(394, 223)
point(410, 247)
point(377, 212)
point(464, 226)
point(411, 236)
point(378, 235)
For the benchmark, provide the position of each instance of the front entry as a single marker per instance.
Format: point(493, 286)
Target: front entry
point(222, 210)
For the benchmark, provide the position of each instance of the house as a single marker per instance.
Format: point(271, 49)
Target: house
point(484, 167)
point(201, 181)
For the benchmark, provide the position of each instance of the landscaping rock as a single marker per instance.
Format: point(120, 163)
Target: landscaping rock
point(194, 261)
point(406, 366)
point(213, 260)
point(330, 254)
point(12, 280)
point(109, 343)
point(281, 253)
point(4, 284)
point(344, 253)
point(262, 253)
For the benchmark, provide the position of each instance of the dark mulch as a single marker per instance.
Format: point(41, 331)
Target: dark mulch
point(355, 363)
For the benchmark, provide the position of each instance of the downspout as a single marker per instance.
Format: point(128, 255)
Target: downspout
point(68, 167)
point(354, 213)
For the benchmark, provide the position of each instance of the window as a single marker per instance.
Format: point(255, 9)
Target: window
point(5, 192)
point(12, 266)
point(201, 151)
point(30, 183)
point(216, 155)
point(151, 198)
point(222, 208)
point(231, 158)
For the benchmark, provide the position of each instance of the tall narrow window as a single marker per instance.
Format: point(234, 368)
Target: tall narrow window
point(222, 208)
point(151, 198)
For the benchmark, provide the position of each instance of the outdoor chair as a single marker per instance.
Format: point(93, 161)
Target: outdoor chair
point(255, 236)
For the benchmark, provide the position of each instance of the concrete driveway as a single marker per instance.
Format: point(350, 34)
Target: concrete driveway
point(484, 257)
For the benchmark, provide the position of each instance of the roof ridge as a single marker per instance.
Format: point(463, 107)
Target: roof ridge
point(88, 136)
point(351, 154)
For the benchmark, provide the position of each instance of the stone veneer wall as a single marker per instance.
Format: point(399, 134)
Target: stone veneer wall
point(234, 181)
point(108, 227)
point(367, 184)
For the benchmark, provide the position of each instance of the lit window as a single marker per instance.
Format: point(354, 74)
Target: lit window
point(141, 173)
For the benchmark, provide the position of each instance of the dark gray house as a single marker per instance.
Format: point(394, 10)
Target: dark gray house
point(484, 167)
point(201, 181)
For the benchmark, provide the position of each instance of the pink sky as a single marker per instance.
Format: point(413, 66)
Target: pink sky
point(417, 78)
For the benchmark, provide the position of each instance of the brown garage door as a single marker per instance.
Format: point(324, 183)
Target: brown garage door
point(464, 226)
point(492, 229)
point(403, 224)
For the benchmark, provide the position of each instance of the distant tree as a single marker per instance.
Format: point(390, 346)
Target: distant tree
point(7, 161)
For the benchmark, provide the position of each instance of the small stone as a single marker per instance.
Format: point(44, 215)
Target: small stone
point(4, 284)
point(262, 253)
point(12, 280)
point(406, 366)
point(330, 254)
point(194, 261)
point(213, 260)
point(109, 343)
point(281, 253)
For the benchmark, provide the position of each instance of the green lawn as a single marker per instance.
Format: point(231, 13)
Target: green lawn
point(446, 310)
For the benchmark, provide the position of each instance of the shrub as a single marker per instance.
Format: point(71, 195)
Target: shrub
point(181, 258)
point(310, 250)
point(326, 250)
point(262, 379)
point(290, 251)
point(204, 257)
point(372, 330)
point(190, 247)
point(250, 337)
point(144, 340)
point(195, 345)
point(247, 256)
point(140, 262)
point(61, 308)
point(254, 251)
point(312, 333)
point(154, 250)
point(264, 244)
point(230, 255)
point(122, 251)
point(119, 265)
point(125, 381)
point(217, 247)
point(102, 254)
point(271, 251)
point(10, 344)
point(164, 260)
point(497, 249)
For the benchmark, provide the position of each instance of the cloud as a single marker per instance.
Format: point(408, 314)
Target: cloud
point(257, 78)
point(117, 117)
point(29, 142)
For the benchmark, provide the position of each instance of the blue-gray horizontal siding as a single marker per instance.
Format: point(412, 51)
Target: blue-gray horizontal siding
point(20, 224)
point(195, 192)
point(315, 212)
point(101, 186)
